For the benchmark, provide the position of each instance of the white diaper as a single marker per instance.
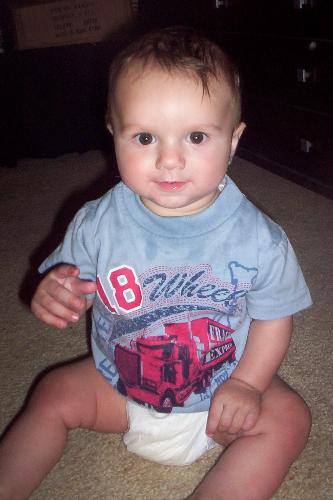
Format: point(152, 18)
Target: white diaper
point(170, 439)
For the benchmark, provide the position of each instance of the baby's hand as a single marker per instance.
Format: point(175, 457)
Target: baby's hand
point(235, 407)
point(60, 297)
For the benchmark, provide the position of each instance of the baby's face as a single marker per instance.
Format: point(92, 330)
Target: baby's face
point(172, 143)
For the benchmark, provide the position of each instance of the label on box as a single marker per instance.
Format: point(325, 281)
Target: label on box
point(66, 22)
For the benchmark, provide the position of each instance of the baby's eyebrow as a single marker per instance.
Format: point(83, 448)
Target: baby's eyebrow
point(213, 126)
point(133, 127)
point(206, 126)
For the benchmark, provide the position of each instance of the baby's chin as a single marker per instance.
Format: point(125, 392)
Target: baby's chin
point(179, 211)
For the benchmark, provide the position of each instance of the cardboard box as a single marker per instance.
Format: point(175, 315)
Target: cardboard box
point(65, 22)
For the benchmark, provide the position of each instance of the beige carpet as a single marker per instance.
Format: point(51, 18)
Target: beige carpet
point(37, 200)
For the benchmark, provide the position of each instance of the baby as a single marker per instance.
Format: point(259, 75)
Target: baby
point(193, 291)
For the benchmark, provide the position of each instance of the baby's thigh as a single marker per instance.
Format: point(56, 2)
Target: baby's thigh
point(79, 395)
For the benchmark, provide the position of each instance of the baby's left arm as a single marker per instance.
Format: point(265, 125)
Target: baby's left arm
point(236, 404)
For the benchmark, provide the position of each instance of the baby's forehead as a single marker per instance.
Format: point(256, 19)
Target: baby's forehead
point(216, 89)
point(142, 70)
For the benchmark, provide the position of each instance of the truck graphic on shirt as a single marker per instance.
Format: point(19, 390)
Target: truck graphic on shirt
point(164, 370)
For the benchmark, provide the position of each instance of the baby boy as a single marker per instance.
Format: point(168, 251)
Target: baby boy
point(192, 291)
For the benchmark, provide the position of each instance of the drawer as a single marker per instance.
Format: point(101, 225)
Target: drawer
point(298, 72)
point(284, 17)
point(298, 140)
point(293, 71)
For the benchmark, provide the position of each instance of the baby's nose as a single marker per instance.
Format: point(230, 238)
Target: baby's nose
point(170, 158)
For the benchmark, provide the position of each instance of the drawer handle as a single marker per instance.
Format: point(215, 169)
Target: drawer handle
point(305, 75)
point(306, 145)
point(221, 3)
point(299, 4)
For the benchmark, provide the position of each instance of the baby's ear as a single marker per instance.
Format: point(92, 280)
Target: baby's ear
point(237, 133)
point(109, 127)
point(108, 121)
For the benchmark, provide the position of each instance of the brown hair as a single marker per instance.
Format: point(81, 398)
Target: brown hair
point(179, 49)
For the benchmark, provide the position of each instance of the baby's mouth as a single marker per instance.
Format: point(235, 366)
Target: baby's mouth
point(171, 186)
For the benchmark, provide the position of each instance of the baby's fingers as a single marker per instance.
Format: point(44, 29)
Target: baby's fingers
point(213, 419)
point(240, 421)
point(57, 306)
point(59, 300)
point(83, 287)
point(235, 423)
point(250, 420)
point(48, 317)
point(64, 271)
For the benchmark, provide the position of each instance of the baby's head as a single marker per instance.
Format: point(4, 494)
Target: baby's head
point(179, 50)
point(174, 110)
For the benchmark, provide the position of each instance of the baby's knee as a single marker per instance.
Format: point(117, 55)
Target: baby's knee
point(290, 421)
point(298, 422)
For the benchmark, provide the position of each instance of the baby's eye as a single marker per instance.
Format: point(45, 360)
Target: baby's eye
point(145, 138)
point(197, 137)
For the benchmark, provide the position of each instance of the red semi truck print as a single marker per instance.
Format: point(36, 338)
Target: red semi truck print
point(164, 370)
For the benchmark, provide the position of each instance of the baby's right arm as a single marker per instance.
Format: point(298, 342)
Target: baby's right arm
point(60, 297)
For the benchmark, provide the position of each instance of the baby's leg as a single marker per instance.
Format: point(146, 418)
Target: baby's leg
point(69, 397)
point(254, 465)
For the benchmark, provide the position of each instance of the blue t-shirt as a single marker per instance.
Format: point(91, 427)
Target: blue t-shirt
point(176, 295)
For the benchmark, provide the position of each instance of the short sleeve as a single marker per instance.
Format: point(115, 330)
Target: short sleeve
point(280, 289)
point(78, 247)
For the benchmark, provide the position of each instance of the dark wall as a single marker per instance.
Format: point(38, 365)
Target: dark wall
point(53, 99)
